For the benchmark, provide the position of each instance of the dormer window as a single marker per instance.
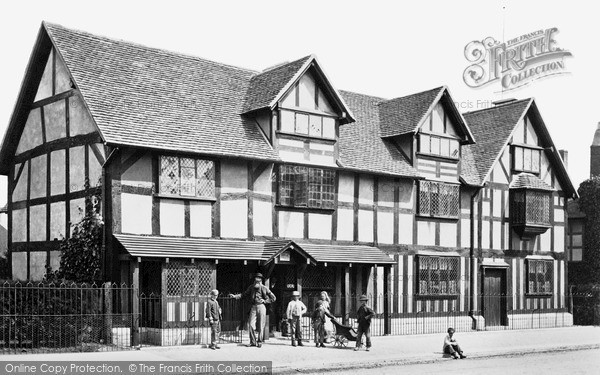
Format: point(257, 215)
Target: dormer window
point(307, 124)
point(431, 144)
point(526, 159)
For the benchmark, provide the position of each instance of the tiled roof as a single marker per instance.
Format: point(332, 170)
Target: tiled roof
point(151, 98)
point(403, 115)
point(202, 248)
point(529, 181)
point(491, 128)
point(361, 146)
point(264, 87)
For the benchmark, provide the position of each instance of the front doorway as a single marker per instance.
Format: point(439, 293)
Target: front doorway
point(494, 297)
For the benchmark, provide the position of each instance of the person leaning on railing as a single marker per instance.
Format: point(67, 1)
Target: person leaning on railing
point(258, 295)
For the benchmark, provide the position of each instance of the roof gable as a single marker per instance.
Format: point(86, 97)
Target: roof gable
point(266, 89)
point(408, 114)
point(494, 127)
point(151, 98)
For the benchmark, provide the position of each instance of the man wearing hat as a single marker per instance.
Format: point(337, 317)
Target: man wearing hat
point(213, 314)
point(257, 294)
point(363, 316)
point(295, 310)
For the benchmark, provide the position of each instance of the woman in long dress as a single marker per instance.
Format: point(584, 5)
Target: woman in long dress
point(326, 301)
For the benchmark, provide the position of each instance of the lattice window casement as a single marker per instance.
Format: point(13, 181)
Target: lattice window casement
point(438, 275)
point(540, 276)
point(189, 279)
point(301, 186)
point(187, 177)
point(530, 207)
point(439, 199)
point(318, 277)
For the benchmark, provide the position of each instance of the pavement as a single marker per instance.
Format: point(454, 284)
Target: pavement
point(386, 350)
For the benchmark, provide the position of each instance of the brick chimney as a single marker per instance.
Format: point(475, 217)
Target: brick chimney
point(564, 154)
point(595, 154)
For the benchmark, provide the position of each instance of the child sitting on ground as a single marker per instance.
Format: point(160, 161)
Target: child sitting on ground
point(451, 346)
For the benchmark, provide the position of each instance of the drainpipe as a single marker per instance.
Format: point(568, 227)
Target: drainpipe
point(104, 199)
point(472, 279)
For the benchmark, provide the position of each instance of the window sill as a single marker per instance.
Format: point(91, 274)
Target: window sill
point(185, 198)
point(306, 136)
point(305, 209)
point(441, 218)
point(436, 296)
point(538, 295)
point(437, 157)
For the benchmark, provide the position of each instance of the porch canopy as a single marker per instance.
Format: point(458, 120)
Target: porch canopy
point(262, 251)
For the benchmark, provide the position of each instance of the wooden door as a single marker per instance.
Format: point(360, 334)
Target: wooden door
point(494, 297)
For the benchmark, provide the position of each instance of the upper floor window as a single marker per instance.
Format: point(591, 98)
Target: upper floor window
point(308, 124)
point(530, 207)
point(439, 146)
point(187, 177)
point(439, 199)
point(539, 276)
point(301, 186)
point(526, 159)
point(438, 275)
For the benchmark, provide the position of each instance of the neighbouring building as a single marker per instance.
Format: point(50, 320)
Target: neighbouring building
point(210, 172)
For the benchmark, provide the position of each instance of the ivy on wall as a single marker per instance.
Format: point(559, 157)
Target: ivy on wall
point(80, 254)
point(588, 271)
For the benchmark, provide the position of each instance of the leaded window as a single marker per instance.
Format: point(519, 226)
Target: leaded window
point(440, 146)
point(439, 199)
point(187, 177)
point(189, 279)
point(530, 207)
point(540, 276)
point(438, 275)
point(301, 186)
point(309, 124)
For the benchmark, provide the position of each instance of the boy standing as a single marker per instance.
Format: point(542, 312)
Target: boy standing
point(364, 315)
point(451, 346)
point(295, 310)
point(318, 318)
point(213, 314)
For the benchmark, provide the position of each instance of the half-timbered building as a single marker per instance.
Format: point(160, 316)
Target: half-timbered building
point(210, 172)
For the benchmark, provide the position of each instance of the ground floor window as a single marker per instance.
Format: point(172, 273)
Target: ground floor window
point(438, 275)
point(539, 276)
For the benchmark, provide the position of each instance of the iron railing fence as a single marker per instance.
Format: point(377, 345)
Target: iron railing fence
point(181, 320)
point(42, 317)
point(65, 317)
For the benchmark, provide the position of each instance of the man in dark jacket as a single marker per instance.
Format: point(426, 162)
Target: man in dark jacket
point(213, 314)
point(258, 295)
point(363, 316)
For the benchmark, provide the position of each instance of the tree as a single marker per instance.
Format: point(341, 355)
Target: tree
point(4, 269)
point(589, 203)
point(81, 252)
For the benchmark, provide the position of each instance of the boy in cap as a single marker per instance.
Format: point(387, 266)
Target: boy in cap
point(318, 318)
point(295, 310)
point(213, 314)
point(363, 316)
point(451, 345)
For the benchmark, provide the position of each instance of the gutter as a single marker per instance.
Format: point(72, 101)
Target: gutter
point(106, 189)
point(472, 279)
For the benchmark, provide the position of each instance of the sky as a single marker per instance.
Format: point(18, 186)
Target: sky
point(381, 48)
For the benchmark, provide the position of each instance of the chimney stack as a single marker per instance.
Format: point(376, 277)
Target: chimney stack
point(595, 154)
point(564, 154)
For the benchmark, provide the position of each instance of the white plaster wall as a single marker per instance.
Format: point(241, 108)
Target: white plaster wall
point(19, 225)
point(346, 187)
point(405, 228)
point(497, 238)
point(385, 227)
point(37, 223)
point(263, 218)
point(426, 233)
point(234, 177)
point(385, 192)
point(139, 174)
point(19, 266)
point(291, 224)
point(37, 265)
point(465, 233)
point(545, 239)
point(448, 234)
point(365, 225)
point(55, 259)
point(263, 183)
point(559, 239)
point(136, 214)
point(485, 234)
point(234, 218)
point(345, 225)
point(319, 226)
point(172, 217)
point(57, 220)
point(365, 190)
point(200, 219)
